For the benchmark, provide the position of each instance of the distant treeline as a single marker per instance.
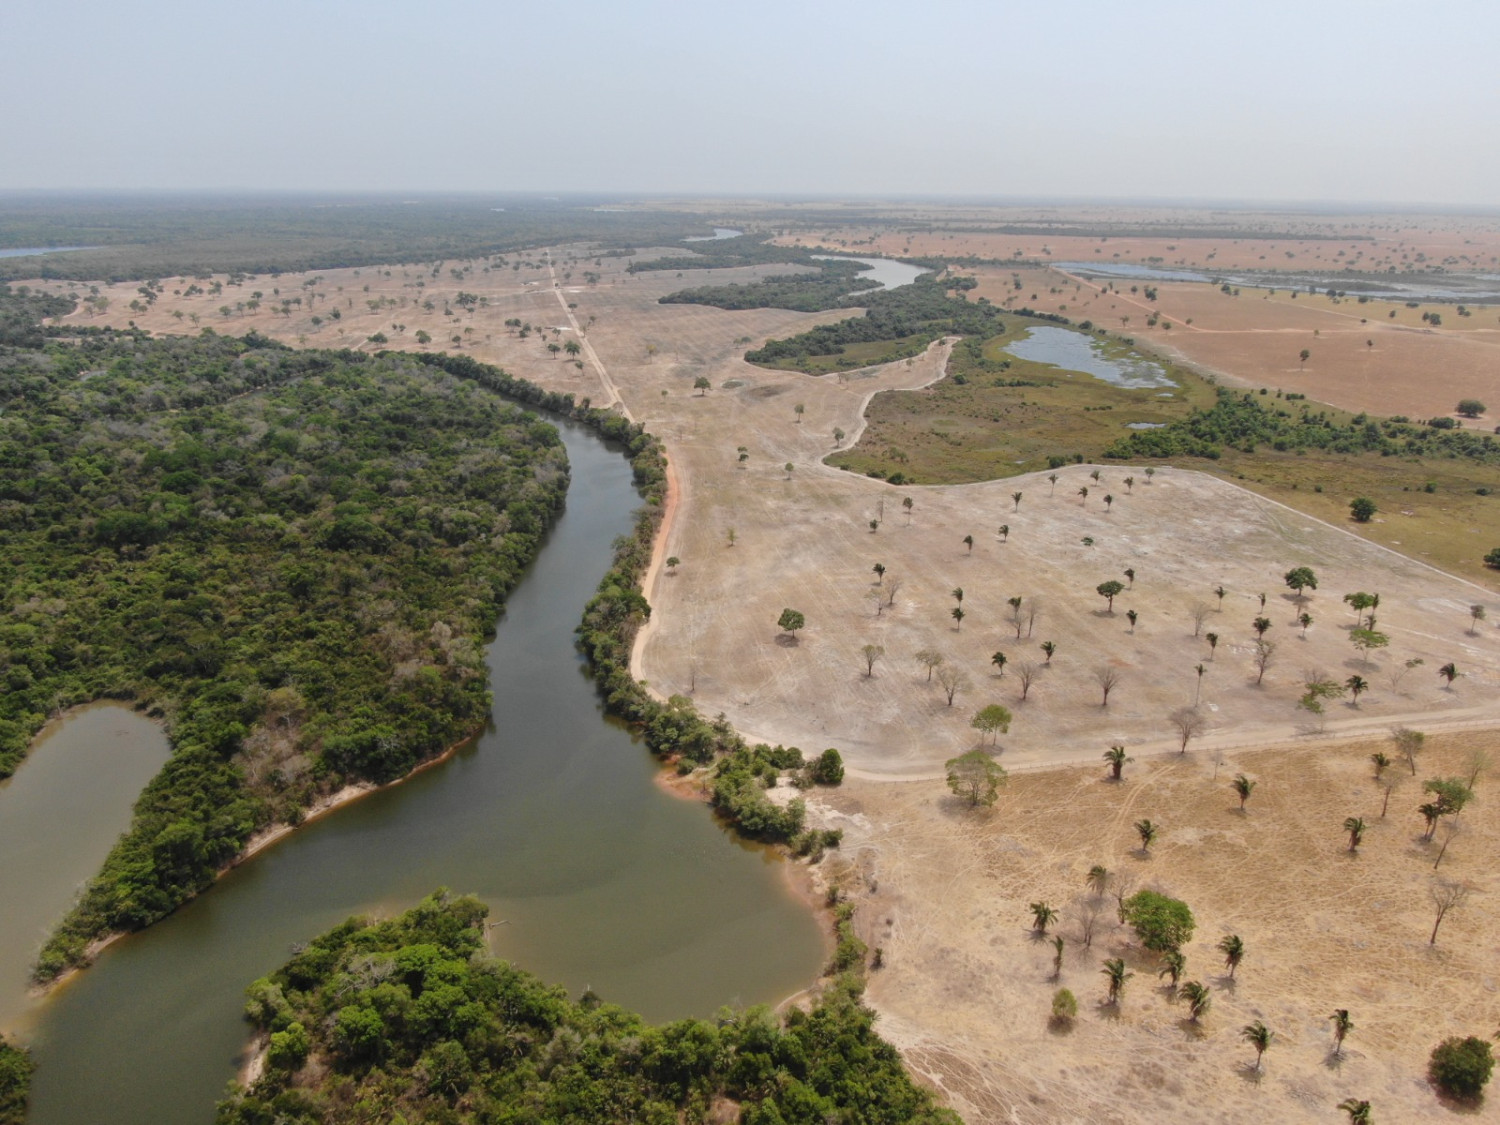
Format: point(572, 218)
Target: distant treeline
point(412, 1013)
point(141, 238)
point(827, 289)
point(914, 314)
point(1245, 421)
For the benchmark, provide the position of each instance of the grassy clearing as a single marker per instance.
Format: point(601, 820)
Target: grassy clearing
point(998, 416)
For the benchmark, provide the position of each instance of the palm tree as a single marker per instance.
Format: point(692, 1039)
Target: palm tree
point(1356, 829)
point(1132, 616)
point(1219, 592)
point(1213, 643)
point(1004, 532)
point(1449, 672)
point(1431, 812)
point(879, 569)
point(1259, 1037)
point(1130, 574)
point(1197, 995)
point(1097, 878)
point(1304, 620)
point(1260, 625)
point(1198, 691)
point(998, 660)
point(1016, 496)
point(1057, 956)
point(1115, 972)
point(969, 543)
point(1233, 949)
point(1354, 685)
point(1084, 493)
point(1342, 1026)
point(1130, 484)
point(1358, 1111)
point(1049, 647)
point(1381, 762)
point(1172, 965)
point(1116, 757)
point(1052, 480)
point(1108, 501)
point(957, 613)
point(1147, 832)
point(1243, 787)
point(1042, 916)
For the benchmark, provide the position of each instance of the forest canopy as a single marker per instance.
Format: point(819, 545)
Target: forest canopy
point(409, 1017)
point(293, 557)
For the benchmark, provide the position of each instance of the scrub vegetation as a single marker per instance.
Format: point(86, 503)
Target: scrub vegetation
point(15, 1082)
point(409, 1020)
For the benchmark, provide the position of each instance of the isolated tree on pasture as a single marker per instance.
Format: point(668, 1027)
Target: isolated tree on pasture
point(1342, 1026)
point(1469, 407)
point(1304, 619)
point(1052, 480)
point(1042, 916)
point(1366, 641)
point(1358, 1111)
point(700, 384)
point(952, 681)
point(744, 455)
point(1354, 686)
point(958, 594)
point(1130, 574)
point(999, 660)
point(957, 613)
point(1097, 880)
point(1026, 672)
point(1017, 618)
point(1083, 494)
point(1381, 761)
point(1446, 896)
point(929, 659)
point(1057, 956)
point(976, 777)
point(990, 720)
point(1359, 601)
point(1132, 616)
point(573, 347)
point(554, 349)
point(1219, 593)
point(1199, 612)
point(1242, 787)
point(871, 653)
point(1355, 826)
point(1198, 998)
point(1476, 615)
point(1094, 475)
point(1109, 591)
point(1299, 579)
point(1173, 964)
point(893, 587)
point(1305, 354)
point(673, 562)
point(799, 410)
point(789, 467)
point(1130, 484)
point(1265, 652)
point(1362, 509)
point(1109, 502)
point(1259, 1037)
point(838, 437)
point(1004, 532)
point(874, 526)
point(1449, 673)
point(908, 504)
point(1016, 497)
point(1189, 722)
point(969, 543)
point(1408, 745)
point(1260, 625)
point(1107, 677)
point(1116, 975)
point(879, 569)
point(1117, 758)
point(1461, 1067)
point(1233, 949)
point(1147, 832)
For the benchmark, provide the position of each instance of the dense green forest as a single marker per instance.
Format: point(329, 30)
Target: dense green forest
point(139, 237)
point(901, 321)
point(15, 1083)
point(1243, 421)
point(408, 1020)
point(22, 311)
point(293, 557)
point(809, 292)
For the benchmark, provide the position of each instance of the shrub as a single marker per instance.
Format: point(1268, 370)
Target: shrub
point(1460, 1068)
point(1064, 1005)
point(827, 768)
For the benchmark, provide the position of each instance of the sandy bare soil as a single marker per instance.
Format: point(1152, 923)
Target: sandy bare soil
point(1362, 357)
point(966, 992)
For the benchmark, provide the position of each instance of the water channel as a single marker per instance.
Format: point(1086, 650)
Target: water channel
point(595, 876)
point(887, 273)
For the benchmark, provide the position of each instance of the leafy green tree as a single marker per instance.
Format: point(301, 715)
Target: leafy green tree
point(1301, 578)
point(929, 659)
point(1259, 1037)
point(1366, 641)
point(957, 613)
point(1492, 559)
point(1130, 575)
point(16, 1069)
point(990, 720)
point(1362, 509)
point(1260, 625)
point(1109, 591)
point(976, 777)
point(1161, 923)
point(879, 569)
point(701, 384)
point(827, 768)
point(1470, 407)
point(1117, 758)
point(1461, 1067)
point(673, 562)
point(790, 621)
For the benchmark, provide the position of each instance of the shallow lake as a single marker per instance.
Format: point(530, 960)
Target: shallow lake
point(595, 876)
point(1075, 351)
point(719, 234)
point(28, 251)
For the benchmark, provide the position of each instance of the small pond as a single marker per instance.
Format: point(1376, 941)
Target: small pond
point(719, 235)
point(1075, 351)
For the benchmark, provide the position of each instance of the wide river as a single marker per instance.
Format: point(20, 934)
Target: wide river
point(595, 876)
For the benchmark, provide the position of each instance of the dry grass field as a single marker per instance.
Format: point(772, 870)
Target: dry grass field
point(965, 991)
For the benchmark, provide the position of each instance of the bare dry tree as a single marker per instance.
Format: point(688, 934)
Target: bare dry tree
point(1087, 910)
point(929, 659)
point(1122, 886)
point(892, 585)
point(1199, 612)
point(1265, 652)
point(1395, 674)
point(1189, 723)
point(1408, 744)
point(1107, 676)
point(1447, 894)
point(952, 680)
point(1033, 611)
point(1027, 672)
point(872, 653)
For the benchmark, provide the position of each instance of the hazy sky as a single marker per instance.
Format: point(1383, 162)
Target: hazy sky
point(1348, 100)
